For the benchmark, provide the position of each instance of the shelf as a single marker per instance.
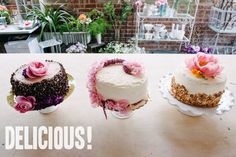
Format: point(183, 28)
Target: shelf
point(185, 39)
point(222, 31)
point(178, 16)
point(224, 49)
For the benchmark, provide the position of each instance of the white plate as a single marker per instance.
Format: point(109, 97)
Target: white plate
point(225, 104)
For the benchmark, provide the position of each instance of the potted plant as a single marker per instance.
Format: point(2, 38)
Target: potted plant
point(50, 18)
point(5, 14)
point(58, 23)
point(98, 25)
point(117, 18)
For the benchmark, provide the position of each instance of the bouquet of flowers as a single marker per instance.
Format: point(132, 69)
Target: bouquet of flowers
point(119, 47)
point(77, 48)
point(84, 22)
point(192, 49)
point(4, 12)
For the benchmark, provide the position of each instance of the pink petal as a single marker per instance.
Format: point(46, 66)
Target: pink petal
point(20, 98)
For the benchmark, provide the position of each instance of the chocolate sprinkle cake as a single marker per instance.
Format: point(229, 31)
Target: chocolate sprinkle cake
point(48, 90)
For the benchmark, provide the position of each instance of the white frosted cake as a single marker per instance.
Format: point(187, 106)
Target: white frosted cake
point(199, 83)
point(118, 85)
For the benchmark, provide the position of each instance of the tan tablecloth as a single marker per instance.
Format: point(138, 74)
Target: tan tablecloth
point(156, 130)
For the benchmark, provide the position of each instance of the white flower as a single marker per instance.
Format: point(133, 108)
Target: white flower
point(88, 21)
point(196, 48)
point(77, 48)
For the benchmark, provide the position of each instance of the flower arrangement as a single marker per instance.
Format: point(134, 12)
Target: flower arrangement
point(204, 66)
point(119, 47)
point(117, 18)
point(138, 4)
point(4, 12)
point(192, 49)
point(77, 48)
point(98, 26)
point(160, 2)
point(52, 19)
point(131, 68)
point(84, 22)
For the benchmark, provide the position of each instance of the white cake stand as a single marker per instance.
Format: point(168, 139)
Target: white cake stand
point(225, 104)
point(48, 110)
point(119, 115)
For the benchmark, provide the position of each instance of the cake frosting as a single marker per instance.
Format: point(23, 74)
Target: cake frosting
point(118, 85)
point(200, 82)
point(39, 85)
point(113, 83)
point(195, 85)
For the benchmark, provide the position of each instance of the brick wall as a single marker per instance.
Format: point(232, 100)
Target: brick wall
point(201, 34)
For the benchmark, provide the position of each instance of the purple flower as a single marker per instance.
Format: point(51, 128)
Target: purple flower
point(51, 100)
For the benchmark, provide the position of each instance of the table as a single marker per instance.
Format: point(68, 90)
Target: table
point(12, 29)
point(155, 130)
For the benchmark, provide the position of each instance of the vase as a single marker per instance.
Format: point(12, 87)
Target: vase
point(120, 115)
point(3, 22)
point(99, 38)
point(49, 109)
point(117, 34)
point(89, 37)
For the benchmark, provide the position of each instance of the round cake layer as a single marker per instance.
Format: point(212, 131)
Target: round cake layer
point(53, 69)
point(53, 86)
point(194, 85)
point(199, 99)
point(113, 83)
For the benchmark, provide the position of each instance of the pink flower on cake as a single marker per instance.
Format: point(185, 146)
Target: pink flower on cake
point(110, 104)
point(204, 65)
point(122, 104)
point(36, 69)
point(25, 104)
point(95, 98)
point(133, 68)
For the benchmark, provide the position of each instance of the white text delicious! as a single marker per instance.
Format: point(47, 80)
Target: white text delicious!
point(42, 137)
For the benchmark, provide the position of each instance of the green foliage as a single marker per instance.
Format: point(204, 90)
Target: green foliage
point(95, 14)
point(125, 12)
point(6, 14)
point(73, 25)
point(109, 11)
point(98, 26)
point(184, 2)
point(117, 17)
point(119, 47)
point(51, 18)
point(114, 17)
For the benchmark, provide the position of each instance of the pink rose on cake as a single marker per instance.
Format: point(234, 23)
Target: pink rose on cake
point(204, 65)
point(35, 70)
point(25, 104)
point(133, 68)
